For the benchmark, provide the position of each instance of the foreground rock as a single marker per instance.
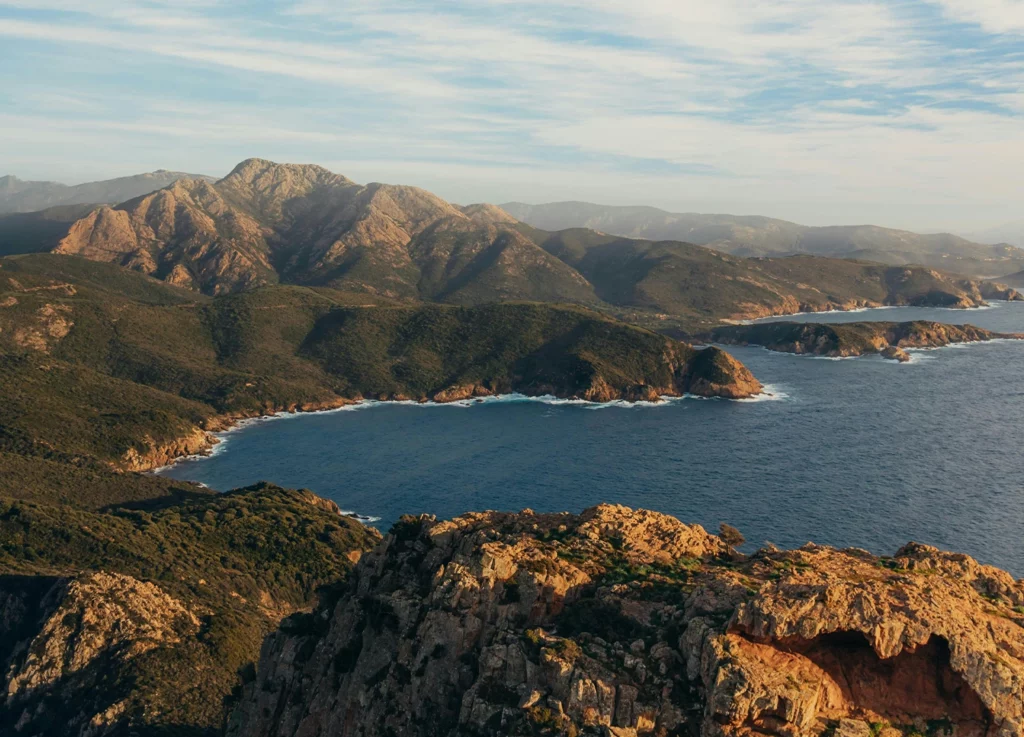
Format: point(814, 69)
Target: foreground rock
point(625, 623)
point(135, 622)
point(72, 636)
point(842, 340)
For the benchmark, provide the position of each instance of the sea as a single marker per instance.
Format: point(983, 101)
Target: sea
point(860, 452)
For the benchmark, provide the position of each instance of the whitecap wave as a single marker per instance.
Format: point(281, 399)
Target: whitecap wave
point(223, 437)
point(770, 393)
point(512, 398)
point(365, 519)
point(780, 318)
point(804, 356)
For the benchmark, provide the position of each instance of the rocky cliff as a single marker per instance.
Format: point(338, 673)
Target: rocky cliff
point(74, 636)
point(842, 340)
point(620, 622)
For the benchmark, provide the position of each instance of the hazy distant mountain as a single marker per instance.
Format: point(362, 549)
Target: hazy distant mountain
point(266, 223)
point(1013, 280)
point(1012, 233)
point(762, 236)
point(17, 195)
point(34, 232)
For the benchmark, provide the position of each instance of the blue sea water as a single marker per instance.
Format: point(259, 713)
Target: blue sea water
point(856, 452)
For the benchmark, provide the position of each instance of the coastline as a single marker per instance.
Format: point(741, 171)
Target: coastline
point(217, 439)
point(873, 354)
point(988, 305)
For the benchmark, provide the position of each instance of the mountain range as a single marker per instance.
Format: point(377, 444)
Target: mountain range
point(18, 195)
point(1012, 233)
point(268, 223)
point(764, 236)
point(985, 254)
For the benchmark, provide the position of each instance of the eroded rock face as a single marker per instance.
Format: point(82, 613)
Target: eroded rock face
point(632, 623)
point(64, 641)
point(925, 637)
point(444, 629)
point(194, 442)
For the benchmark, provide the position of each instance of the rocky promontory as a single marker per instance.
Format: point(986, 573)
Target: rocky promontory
point(625, 623)
point(842, 340)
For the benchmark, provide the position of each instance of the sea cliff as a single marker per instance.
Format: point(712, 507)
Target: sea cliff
point(621, 622)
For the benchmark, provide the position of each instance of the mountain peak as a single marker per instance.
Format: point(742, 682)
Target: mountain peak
point(253, 170)
point(485, 213)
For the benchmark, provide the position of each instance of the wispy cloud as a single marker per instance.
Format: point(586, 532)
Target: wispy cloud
point(808, 109)
point(994, 16)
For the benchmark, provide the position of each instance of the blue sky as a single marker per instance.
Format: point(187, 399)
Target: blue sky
point(901, 112)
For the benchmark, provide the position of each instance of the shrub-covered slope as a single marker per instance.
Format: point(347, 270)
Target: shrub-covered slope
point(136, 620)
point(104, 365)
point(678, 284)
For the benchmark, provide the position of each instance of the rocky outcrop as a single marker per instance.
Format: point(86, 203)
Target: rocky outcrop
point(51, 323)
point(842, 340)
point(895, 354)
point(926, 638)
point(617, 622)
point(73, 636)
point(157, 454)
point(998, 291)
point(714, 373)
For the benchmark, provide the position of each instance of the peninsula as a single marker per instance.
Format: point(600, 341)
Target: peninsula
point(844, 340)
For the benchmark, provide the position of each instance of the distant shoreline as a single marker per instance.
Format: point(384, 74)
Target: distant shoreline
point(220, 437)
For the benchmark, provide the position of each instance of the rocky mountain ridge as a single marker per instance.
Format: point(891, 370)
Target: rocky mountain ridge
point(764, 236)
point(267, 223)
point(620, 622)
point(20, 196)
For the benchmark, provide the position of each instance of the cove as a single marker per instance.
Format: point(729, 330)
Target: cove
point(856, 452)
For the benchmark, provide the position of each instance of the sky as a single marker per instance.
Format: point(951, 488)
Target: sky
point(905, 113)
